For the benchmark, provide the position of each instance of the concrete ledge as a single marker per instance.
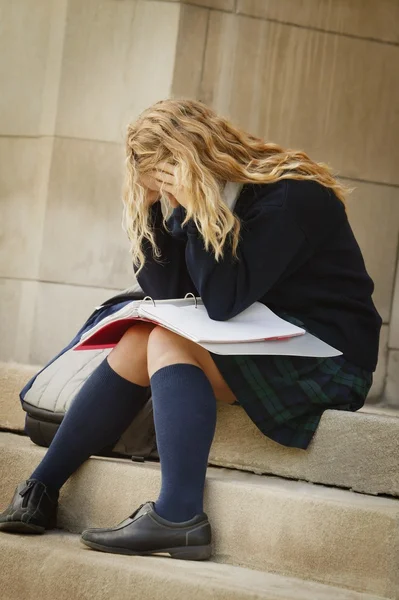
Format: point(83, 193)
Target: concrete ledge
point(58, 565)
point(359, 451)
point(292, 528)
point(13, 377)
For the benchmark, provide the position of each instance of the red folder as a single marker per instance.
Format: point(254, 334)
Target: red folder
point(109, 335)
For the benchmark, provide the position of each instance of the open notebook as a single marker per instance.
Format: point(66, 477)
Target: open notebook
point(254, 331)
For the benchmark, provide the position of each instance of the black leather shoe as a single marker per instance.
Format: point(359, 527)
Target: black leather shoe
point(146, 533)
point(33, 509)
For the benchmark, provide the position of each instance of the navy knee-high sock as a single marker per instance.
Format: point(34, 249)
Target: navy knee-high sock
point(103, 408)
point(185, 418)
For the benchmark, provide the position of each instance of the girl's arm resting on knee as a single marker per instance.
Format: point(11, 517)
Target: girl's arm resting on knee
point(270, 240)
point(167, 276)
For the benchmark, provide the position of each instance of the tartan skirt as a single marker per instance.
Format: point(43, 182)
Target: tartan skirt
point(285, 396)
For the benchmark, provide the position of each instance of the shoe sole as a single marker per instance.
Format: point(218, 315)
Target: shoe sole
point(20, 527)
point(180, 553)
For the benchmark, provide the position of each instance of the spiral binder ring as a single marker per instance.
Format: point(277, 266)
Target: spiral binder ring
point(149, 298)
point(191, 295)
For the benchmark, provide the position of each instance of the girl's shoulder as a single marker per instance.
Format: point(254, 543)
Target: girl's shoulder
point(311, 205)
point(291, 194)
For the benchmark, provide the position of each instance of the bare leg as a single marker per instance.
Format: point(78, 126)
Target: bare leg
point(166, 348)
point(129, 357)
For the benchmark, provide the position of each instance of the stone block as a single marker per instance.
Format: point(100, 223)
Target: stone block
point(394, 324)
point(83, 240)
point(301, 88)
point(377, 388)
point(228, 5)
point(24, 172)
point(24, 45)
point(392, 380)
point(351, 450)
point(13, 379)
point(364, 18)
point(77, 572)
point(373, 212)
point(190, 55)
point(288, 527)
point(17, 306)
point(60, 312)
point(42, 317)
point(118, 59)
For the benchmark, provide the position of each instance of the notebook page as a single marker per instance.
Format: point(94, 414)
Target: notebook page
point(302, 345)
point(129, 310)
point(255, 323)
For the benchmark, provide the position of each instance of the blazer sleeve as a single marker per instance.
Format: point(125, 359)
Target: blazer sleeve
point(270, 240)
point(165, 277)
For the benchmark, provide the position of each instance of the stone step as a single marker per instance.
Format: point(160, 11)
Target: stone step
point(292, 528)
point(13, 378)
point(358, 451)
point(57, 565)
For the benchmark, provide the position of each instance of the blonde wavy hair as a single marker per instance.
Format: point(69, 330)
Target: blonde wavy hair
point(207, 151)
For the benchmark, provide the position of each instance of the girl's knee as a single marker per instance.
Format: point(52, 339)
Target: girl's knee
point(161, 340)
point(129, 357)
point(133, 343)
point(139, 331)
point(160, 335)
point(166, 348)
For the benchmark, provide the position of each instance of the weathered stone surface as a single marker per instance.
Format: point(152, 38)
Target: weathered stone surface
point(368, 205)
point(118, 58)
point(24, 171)
point(228, 5)
point(82, 574)
point(34, 330)
point(83, 241)
point(191, 44)
point(288, 527)
point(364, 18)
point(394, 324)
point(392, 381)
point(353, 450)
point(12, 380)
point(377, 389)
point(17, 301)
point(303, 89)
point(75, 303)
point(24, 47)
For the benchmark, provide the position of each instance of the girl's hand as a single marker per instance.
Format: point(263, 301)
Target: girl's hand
point(152, 190)
point(165, 179)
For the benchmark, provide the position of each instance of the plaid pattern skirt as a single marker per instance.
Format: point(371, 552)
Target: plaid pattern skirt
point(285, 396)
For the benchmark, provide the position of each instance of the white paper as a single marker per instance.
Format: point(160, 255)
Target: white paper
point(255, 323)
point(303, 345)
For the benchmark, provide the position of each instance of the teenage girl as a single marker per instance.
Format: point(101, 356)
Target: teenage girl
point(251, 222)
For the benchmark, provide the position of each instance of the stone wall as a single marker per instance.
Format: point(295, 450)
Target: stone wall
point(314, 74)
